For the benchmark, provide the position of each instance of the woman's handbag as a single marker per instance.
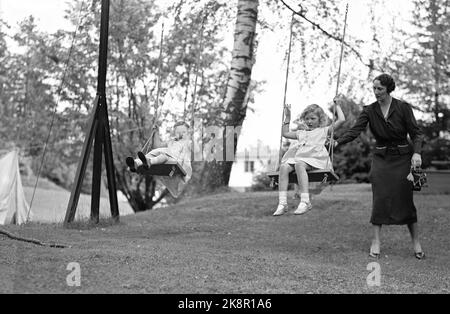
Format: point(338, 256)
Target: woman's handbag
point(418, 177)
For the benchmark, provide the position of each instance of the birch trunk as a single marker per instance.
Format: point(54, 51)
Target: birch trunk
point(241, 63)
point(216, 174)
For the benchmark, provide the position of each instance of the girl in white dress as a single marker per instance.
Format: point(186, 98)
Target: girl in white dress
point(177, 149)
point(307, 154)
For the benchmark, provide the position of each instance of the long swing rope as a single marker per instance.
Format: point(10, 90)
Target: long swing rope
point(197, 67)
point(194, 100)
point(66, 66)
point(150, 142)
point(280, 154)
point(331, 144)
point(337, 87)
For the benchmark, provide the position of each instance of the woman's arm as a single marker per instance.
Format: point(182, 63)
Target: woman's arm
point(416, 135)
point(413, 129)
point(287, 120)
point(352, 133)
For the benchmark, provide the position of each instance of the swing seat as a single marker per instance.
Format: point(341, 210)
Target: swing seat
point(320, 175)
point(167, 169)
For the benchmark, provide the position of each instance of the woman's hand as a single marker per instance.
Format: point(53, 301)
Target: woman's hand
point(416, 160)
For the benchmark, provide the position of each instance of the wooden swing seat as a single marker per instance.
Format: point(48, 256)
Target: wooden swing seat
point(167, 169)
point(320, 175)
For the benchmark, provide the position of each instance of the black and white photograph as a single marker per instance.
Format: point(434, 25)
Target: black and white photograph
point(225, 154)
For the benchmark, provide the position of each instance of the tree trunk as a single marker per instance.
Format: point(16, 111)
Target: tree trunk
point(216, 174)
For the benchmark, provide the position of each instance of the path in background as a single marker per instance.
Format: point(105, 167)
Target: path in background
point(50, 203)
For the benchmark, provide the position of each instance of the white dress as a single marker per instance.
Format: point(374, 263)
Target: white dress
point(310, 149)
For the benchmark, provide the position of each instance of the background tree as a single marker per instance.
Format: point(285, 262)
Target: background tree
point(423, 71)
point(205, 74)
point(215, 174)
point(133, 79)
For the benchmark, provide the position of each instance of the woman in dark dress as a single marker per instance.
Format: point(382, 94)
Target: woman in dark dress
point(390, 120)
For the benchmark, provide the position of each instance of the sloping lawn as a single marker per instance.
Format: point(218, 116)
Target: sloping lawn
point(230, 243)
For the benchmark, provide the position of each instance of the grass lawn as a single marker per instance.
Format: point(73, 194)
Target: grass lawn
point(230, 243)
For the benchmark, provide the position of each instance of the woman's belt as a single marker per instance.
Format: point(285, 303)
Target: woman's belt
point(400, 149)
point(392, 143)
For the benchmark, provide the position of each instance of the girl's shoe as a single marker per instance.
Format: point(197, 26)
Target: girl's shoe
point(302, 208)
point(130, 163)
point(143, 159)
point(281, 209)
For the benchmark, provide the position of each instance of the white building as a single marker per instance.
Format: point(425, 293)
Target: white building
point(250, 162)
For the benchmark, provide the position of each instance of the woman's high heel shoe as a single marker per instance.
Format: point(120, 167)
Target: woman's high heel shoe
point(419, 255)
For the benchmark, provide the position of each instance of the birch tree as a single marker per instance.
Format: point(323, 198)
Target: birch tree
point(216, 174)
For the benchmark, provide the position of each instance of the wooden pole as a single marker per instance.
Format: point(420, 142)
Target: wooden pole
point(98, 129)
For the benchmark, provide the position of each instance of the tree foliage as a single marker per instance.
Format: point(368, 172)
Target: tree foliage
point(50, 81)
point(423, 71)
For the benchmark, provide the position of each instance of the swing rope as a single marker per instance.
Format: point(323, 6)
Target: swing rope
point(150, 142)
point(197, 67)
point(337, 87)
point(63, 79)
point(157, 114)
point(331, 143)
point(280, 154)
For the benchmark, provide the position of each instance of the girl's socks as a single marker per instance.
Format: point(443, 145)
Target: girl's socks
point(282, 198)
point(304, 197)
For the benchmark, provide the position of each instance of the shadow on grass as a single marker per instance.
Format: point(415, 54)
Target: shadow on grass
point(88, 224)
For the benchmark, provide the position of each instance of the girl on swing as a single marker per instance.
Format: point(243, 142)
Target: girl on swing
point(308, 154)
point(177, 149)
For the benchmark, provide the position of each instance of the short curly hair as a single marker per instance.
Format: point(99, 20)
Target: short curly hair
point(318, 111)
point(387, 81)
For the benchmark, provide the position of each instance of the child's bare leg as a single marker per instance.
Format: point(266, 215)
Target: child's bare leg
point(283, 179)
point(156, 160)
point(303, 182)
point(302, 176)
point(153, 158)
point(283, 182)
